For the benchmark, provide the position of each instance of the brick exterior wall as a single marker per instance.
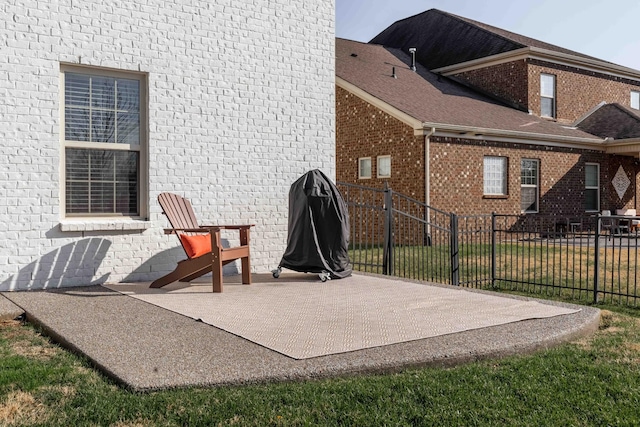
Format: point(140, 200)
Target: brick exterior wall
point(456, 166)
point(577, 91)
point(456, 169)
point(240, 104)
point(363, 130)
point(508, 81)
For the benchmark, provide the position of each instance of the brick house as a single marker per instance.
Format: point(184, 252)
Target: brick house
point(489, 121)
point(106, 106)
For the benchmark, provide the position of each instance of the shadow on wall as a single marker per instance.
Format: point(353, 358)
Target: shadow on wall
point(73, 264)
point(164, 262)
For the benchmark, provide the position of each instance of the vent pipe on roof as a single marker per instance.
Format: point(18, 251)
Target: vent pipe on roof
point(413, 58)
point(393, 72)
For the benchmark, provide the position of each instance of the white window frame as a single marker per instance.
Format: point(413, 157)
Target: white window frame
point(380, 172)
point(593, 187)
point(141, 148)
point(548, 91)
point(635, 100)
point(489, 163)
point(536, 185)
point(360, 168)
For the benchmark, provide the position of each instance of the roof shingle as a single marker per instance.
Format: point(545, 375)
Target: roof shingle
point(430, 98)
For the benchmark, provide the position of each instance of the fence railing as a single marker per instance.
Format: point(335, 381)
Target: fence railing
point(588, 258)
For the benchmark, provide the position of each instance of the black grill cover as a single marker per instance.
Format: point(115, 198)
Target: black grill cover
point(318, 235)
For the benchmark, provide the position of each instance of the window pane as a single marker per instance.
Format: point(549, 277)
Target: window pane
point(77, 196)
point(76, 124)
point(529, 199)
point(635, 100)
point(546, 107)
point(591, 199)
point(128, 128)
point(591, 176)
point(547, 85)
point(102, 165)
point(102, 197)
point(495, 178)
point(384, 166)
point(102, 181)
point(77, 167)
point(103, 91)
point(364, 168)
point(76, 90)
point(103, 126)
point(529, 172)
point(102, 109)
point(128, 98)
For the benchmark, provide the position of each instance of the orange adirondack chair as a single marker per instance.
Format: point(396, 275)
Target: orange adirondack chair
point(202, 244)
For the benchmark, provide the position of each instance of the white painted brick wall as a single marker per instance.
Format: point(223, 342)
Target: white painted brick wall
point(241, 103)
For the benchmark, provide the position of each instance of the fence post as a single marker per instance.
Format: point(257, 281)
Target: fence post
point(493, 249)
point(596, 259)
point(387, 262)
point(455, 260)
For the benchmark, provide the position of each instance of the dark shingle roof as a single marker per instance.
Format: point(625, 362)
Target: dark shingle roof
point(444, 39)
point(428, 97)
point(612, 121)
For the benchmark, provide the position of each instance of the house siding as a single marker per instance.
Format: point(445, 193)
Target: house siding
point(508, 82)
point(363, 130)
point(456, 166)
point(240, 104)
point(577, 91)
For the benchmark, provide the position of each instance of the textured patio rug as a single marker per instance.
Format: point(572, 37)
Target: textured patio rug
point(304, 318)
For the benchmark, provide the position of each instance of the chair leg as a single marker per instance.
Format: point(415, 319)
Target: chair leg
point(216, 262)
point(246, 271)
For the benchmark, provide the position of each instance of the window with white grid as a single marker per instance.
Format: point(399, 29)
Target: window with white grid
point(529, 176)
point(104, 141)
point(592, 187)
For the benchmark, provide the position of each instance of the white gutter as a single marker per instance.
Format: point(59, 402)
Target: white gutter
point(473, 132)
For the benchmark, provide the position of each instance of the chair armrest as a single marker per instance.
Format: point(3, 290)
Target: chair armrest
point(228, 227)
point(184, 230)
point(207, 228)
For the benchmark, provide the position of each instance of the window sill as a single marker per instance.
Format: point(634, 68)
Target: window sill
point(104, 225)
point(495, 196)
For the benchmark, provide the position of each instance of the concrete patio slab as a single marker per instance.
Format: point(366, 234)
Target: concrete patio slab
point(145, 347)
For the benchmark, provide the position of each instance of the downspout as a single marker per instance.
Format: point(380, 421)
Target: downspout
point(427, 178)
point(427, 183)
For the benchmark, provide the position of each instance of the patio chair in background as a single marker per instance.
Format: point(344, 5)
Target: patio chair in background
point(202, 244)
point(631, 224)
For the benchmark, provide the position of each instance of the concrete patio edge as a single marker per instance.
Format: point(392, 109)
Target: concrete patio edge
point(144, 347)
point(8, 310)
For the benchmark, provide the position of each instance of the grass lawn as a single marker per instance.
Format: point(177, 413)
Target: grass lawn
point(594, 381)
point(538, 267)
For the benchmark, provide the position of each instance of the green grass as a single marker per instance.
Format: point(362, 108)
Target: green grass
point(594, 381)
point(565, 271)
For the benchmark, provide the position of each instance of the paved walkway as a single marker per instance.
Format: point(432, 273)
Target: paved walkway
point(145, 347)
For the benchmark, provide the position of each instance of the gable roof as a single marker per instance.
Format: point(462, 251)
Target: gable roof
point(444, 39)
point(430, 99)
point(612, 121)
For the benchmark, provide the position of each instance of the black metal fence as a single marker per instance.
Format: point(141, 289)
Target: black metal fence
point(588, 258)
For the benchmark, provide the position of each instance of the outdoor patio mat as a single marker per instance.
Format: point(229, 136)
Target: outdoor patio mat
point(301, 317)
